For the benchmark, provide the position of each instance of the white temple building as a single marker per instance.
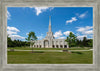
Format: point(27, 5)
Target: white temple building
point(49, 41)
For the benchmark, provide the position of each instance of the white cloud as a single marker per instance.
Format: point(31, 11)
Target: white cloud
point(8, 15)
point(80, 37)
point(71, 20)
point(67, 33)
point(13, 37)
point(41, 9)
point(58, 34)
point(40, 37)
point(12, 33)
point(61, 37)
point(88, 32)
point(12, 29)
point(83, 14)
point(85, 30)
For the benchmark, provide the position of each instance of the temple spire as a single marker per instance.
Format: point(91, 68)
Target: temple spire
point(49, 23)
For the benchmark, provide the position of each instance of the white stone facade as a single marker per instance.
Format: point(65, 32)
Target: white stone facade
point(49, 41)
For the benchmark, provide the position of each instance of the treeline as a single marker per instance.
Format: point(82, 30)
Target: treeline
point(73, 41)
point(82, 43)
point(16, 43)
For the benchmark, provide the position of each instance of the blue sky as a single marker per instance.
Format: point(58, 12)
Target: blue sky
point(22, 20)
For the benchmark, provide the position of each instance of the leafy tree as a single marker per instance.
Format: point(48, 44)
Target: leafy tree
point(9, 42)
point(31, 37)
point(78, 42)
point(16, 43)
point(84, 41)
point(90, 42)
point(71, 39)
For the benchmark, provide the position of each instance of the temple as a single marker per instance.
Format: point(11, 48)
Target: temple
point(49, 41)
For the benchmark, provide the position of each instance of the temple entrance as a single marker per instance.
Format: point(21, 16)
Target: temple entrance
point(65, 46)
point(46, 43)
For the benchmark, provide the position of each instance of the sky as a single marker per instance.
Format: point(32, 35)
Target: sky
point(22, 20)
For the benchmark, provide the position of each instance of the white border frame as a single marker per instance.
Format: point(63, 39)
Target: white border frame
point(48, 67)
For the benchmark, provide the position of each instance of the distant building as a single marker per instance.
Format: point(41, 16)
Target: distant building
point(49, 41)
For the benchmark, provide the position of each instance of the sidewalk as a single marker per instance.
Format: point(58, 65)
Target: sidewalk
point(48, 50)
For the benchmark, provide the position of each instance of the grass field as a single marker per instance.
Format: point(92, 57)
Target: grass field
point(41, 57)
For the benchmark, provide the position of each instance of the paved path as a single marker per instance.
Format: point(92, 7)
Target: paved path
point(39, 50)
point(80, 50)
point(49, 50)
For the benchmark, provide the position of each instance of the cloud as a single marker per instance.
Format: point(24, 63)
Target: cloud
point(58, 34)
point(40, 37)
point(85, 30)
point(13, 37)
point(83, 14)
point(12, 29)
point(80, 37)
point(66, 33)
point(8, 15)
point(12, 33)
point(88, 32)
point(61, 37)
point(41, 9)
point(71, 20)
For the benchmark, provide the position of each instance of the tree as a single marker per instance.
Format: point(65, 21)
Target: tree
point(31, 38)
point(16, 43)
point(85, 41)
point(90, 42)
point(9, 42)
point(71, 39)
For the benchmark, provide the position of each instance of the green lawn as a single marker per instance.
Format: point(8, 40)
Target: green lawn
point(26, 57)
